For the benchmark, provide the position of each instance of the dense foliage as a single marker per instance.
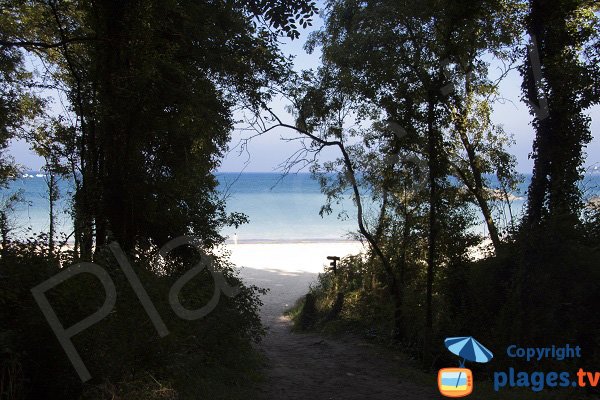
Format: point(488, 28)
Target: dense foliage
point(127, 359)
point(144, 94)
point(406, 94)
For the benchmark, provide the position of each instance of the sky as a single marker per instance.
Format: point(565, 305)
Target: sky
point(267, 152)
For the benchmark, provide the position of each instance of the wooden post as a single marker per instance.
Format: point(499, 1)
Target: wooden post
point(333, 263)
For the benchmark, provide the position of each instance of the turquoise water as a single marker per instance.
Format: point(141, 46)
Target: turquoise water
point(30, 215)
point(284, 208)
point(279, 208)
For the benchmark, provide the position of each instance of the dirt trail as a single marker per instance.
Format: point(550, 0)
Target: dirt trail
point(309, 366)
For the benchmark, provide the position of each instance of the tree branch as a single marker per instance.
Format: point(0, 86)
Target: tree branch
point(351, 176)
point(27, 44)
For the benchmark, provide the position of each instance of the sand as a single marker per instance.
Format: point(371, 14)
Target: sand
point(309, 366)
point(292, 257)
point(286, 269)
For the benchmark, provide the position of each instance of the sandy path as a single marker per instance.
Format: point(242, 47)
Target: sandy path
point(308, 366)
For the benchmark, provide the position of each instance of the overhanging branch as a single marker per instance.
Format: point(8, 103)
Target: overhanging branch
point(33, 45)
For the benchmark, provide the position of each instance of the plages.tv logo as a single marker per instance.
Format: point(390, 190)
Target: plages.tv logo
point(458, 382)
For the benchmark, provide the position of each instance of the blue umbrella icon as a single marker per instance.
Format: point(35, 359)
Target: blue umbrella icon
point(469, 349)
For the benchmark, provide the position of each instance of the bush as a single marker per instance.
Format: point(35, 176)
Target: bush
point(364, 309)
point(207, 358)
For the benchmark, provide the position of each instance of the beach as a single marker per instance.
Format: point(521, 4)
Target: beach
point(286, 269)
point(308, 257)
point(309, 365)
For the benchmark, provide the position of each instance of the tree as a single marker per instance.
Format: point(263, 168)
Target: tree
point(559, 84)
point(17, 104)
point(152, 85)
point(394, 58)
point(560, 76)
point(8, 205)
point(150, 88)
point(47, 140)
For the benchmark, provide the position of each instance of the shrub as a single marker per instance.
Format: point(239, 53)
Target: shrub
point(207, 358)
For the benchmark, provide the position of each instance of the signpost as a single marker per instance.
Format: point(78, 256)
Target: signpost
point(333, 263)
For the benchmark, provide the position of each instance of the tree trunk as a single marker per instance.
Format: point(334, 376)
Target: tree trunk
point(52, 195)
point(4, 230)
point(393, 284)
point(562, 131)
point(476, 186)
point(478, 190)
point(117, 125)
point(399, 326)
point(433, 161)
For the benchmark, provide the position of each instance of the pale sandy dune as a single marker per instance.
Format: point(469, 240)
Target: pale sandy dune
point(293, 257)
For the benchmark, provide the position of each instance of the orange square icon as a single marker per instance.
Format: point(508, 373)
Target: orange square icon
point(455, 382)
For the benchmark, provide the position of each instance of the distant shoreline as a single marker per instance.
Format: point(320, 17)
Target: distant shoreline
point(291, 241)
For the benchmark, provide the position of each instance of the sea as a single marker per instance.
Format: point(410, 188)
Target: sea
point(280, 208)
